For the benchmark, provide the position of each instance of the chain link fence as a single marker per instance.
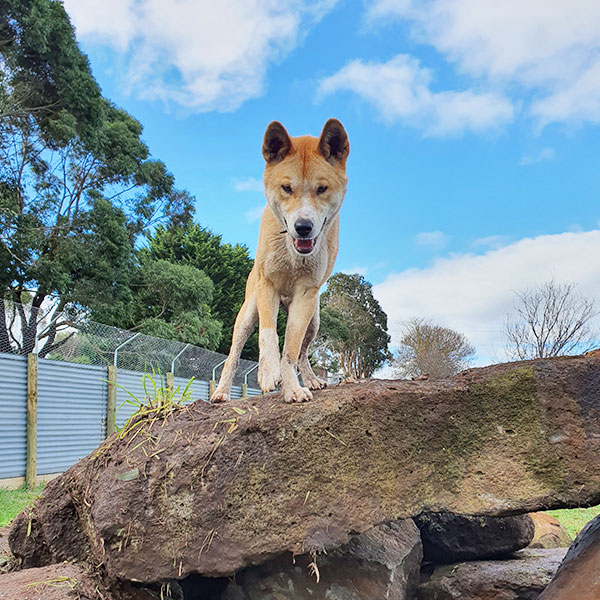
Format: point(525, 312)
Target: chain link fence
point(73, 338)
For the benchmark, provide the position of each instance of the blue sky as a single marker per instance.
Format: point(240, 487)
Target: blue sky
point(473, 126)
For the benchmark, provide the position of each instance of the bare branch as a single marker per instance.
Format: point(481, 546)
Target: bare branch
point(551, 320)
point(429, 349)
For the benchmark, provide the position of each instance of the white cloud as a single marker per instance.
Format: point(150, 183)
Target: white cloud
point(491, 241)
point(543, 155)
point(251, 184)
point(254, 214)
point(111, 22)
point(400, 90)
point(356, 269)
point(202, 56)
point(435, 240)
point(473, 293)
point(550, 48)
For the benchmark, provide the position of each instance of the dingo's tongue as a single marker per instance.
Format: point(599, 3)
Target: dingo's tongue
point(304, 246)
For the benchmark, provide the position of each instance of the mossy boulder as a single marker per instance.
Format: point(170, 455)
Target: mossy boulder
point(214, 489)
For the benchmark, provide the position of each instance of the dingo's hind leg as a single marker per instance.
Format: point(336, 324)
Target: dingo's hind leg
point(309, 379)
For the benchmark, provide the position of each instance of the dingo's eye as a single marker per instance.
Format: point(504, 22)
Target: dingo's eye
point(321, 189)
point(287, 189)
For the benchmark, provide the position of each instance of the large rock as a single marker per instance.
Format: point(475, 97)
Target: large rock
point(578, 577)
point(549, 532)
point(522, 577)
point(449, 538)
point(212, 491)
point(383, 562)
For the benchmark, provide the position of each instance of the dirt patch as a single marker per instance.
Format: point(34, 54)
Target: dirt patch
point(55, 582)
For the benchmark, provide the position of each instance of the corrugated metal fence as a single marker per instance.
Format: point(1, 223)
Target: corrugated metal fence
point(13, 404)
point(72, 403)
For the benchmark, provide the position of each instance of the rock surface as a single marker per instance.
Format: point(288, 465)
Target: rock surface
point(522, 577)
point(211, 490)
point(5, 555)
point(578, 577)
point(383, 562)
point(449, 538)
point(549, 532)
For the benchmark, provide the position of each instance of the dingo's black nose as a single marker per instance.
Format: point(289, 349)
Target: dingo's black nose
point(303, 227)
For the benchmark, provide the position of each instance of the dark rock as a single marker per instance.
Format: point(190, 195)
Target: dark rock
point(549, 532)
point(522, 577)
point(196, 493)
point(449, 538)
point(578, 577)
point(381, 563)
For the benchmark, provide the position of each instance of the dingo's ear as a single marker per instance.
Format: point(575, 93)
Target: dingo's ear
point(333, 143)
point(276, 144)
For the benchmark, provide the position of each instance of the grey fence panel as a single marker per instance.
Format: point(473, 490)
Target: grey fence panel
point(71, 413)
point(13, 419)
point(254, 392)
point(236, 392)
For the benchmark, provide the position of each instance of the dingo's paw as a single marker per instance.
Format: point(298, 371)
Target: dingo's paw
point(219, 396)
point(297, 394)
point(268, 378)
point(312, 382)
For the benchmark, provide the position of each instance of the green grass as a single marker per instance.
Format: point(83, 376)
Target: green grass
point(574, 519)
point(12, 502)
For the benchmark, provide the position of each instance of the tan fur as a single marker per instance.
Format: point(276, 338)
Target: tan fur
point(280, 273)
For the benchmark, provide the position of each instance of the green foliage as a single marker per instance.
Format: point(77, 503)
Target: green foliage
point(226, 265)
point(77, 186)
point(45, 72)
point(172, 301)
point(158, 403)
point(575, 519)
point(354, 327)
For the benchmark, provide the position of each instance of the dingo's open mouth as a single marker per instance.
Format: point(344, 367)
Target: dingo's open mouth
point(304, 246)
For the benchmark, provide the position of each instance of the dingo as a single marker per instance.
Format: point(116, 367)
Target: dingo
point(305, 182)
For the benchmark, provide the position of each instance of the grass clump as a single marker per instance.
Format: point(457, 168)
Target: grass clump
point(158, 403)
point(12, 502)
point(575, 519)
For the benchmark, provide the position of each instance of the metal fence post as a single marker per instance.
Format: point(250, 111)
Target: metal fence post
point(245, 384)
point(116, 354)
point(111, 401)
point(32, 403)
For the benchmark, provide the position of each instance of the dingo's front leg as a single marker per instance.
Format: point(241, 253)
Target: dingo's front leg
point(309, 379)
point(267, 301)
point(301, 311)
point(244, 326)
